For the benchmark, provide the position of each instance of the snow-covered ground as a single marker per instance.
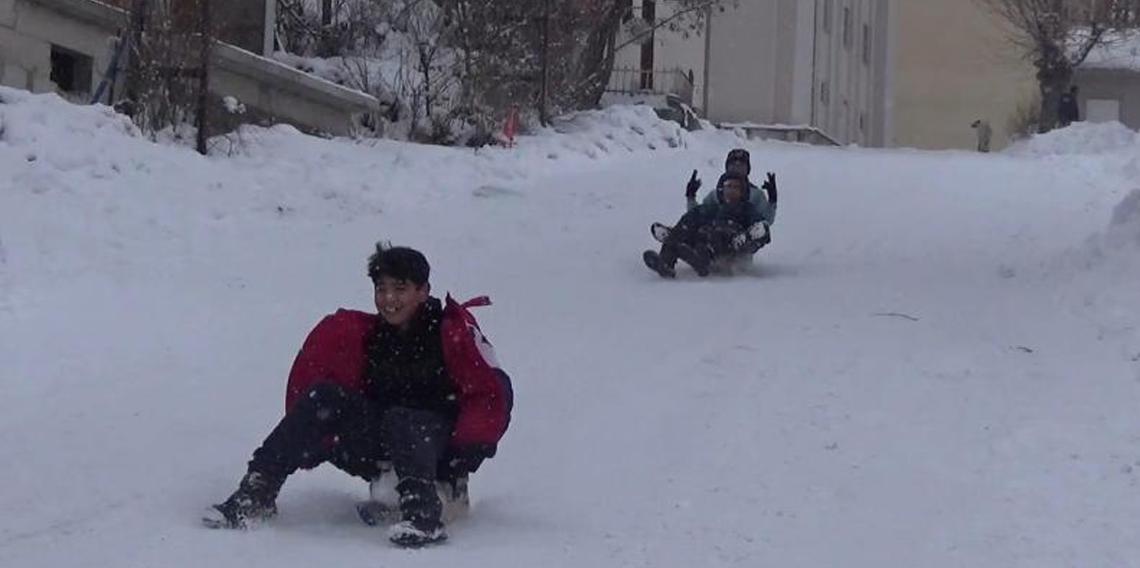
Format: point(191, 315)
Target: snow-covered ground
point(936, 363)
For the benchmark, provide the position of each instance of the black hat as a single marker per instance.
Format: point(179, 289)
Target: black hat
point(739, 155)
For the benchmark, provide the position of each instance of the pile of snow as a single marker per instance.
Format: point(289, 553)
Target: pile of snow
point(1080, 138)
point(1124, 229)
point(377, 77)
point(1108, 270)
point(620, 130)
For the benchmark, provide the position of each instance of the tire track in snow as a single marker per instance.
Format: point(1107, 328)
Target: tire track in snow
point(5, 280)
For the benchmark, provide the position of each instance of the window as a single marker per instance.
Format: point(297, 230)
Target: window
point(825, 93)
point(649, 13)
point(71, 71)
point(828, 11)
point(847, 27)
point(862, 122)
point(866, 44)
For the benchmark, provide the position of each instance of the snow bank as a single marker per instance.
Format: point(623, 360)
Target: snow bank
point(1081, 138)
point(1124, 229)
point(158, 298)
point(376, 77)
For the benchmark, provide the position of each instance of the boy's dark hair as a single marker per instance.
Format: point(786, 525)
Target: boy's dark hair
point(739, 155)
point(400, 263)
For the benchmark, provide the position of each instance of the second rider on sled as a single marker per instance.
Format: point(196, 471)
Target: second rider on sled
point(725, 230)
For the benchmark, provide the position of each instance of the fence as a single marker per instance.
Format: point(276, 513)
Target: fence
point(654, 81)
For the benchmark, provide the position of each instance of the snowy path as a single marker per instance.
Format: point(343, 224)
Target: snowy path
point(911, 379)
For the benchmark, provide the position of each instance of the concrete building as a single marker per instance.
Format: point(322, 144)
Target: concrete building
point(954, 65)
point(1109, 82)
point(823, 64)
point(61, 45)
point(68, 46)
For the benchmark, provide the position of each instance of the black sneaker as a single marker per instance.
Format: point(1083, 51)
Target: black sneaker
point(254, 502)
point(660, 232)
point(654, 262)
point(421, 510)
point(415, 533)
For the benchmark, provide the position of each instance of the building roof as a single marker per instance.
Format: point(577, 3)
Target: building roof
point(99, 13)
point(1119, 51)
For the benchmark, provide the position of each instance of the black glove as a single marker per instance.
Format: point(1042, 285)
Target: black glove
point(466, 459)
point(692, 187)
point(770, 187)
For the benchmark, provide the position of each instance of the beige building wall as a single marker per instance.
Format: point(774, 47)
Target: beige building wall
point(954, 65)
point(852, 74)
point(822, 63)
point(746, 57)
point(682, 49)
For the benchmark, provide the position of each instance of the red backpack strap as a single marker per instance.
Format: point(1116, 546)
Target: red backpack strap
point(476, 302)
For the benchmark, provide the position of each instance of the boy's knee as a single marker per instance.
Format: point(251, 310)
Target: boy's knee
point(326, 393)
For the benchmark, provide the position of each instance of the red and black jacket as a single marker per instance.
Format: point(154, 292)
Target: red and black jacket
point(335, 350)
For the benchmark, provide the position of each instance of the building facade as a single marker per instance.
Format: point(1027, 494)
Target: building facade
point(817, 63)
point(69, 46)
point(954, 65)
point(1109, 81)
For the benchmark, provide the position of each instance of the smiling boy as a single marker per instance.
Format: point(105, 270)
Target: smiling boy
point(415, 385)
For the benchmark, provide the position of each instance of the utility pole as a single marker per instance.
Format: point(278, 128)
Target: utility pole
point(708, 60)
point(206, 38)
point(134, 37)
point(544, 103)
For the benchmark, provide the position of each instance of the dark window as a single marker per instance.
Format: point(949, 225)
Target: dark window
point(70, 70)
point(824, 93)
point(649, 13)
point(828, 12)
point(866, 44)
point(847, 27)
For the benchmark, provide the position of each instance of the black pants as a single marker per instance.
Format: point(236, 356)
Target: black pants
point(330, 424)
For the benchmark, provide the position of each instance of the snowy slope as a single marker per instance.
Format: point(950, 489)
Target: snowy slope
point(935, 363)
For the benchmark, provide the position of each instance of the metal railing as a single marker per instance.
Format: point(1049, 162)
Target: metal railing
point(652, 81)
point(787, 133)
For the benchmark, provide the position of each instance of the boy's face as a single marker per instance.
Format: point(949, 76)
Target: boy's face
point(733, 191)
point(398, 300)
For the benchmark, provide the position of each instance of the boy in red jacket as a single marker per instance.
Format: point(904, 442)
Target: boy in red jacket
point(415, 385)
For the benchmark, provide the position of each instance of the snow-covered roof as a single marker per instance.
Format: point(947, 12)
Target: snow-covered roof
point(1117, 51)
point(99, 13)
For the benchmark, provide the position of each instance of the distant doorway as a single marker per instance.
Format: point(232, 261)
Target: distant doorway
point(1102, 110)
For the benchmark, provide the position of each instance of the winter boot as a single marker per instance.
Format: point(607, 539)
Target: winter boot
point(383, 504)
point(455, 498)
point(421, 510)
point(658, 265)
point(254, 502)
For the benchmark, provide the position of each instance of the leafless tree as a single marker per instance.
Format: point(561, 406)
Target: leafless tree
point(551, 55)
point(1056, 36)
point(470, 62)
point(168, 74)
